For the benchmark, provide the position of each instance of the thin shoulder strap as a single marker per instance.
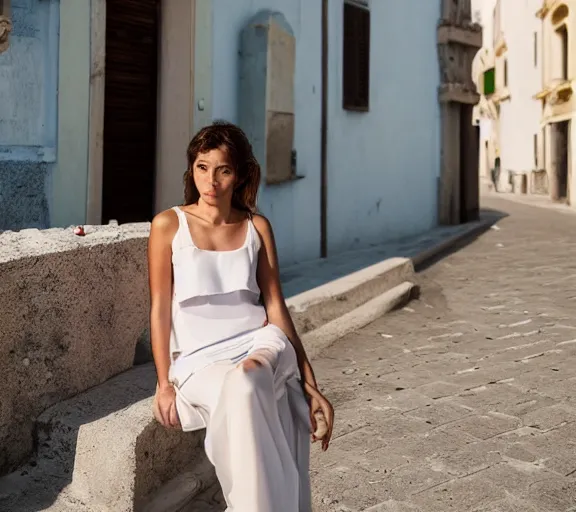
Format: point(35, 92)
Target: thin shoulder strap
point(183, 224)
point(254, 235)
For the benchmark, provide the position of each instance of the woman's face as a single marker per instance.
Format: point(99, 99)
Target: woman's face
point(214, 176)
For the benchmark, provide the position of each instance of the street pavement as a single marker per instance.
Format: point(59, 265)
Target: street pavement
point(465, 399)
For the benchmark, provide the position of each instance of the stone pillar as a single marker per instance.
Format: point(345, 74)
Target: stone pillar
point(458, 43)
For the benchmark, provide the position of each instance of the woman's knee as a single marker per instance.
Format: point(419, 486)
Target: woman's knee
point(245, 381)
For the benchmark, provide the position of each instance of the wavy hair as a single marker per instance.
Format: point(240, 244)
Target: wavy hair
point(223, 134)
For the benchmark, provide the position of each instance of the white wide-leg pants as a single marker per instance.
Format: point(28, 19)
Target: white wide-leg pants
point(257, 430)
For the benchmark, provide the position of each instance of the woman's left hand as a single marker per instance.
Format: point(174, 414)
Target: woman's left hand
point(318, 402)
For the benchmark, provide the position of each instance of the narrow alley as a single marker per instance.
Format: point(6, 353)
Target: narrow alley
point(463, 400)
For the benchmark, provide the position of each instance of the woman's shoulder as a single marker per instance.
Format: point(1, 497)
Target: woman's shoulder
point(262, 224)
point(165, 222)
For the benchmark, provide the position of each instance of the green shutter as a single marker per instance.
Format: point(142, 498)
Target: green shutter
point(489, 82)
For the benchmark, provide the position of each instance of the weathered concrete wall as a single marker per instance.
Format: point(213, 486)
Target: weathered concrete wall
point(71, 311)
point(23, 201)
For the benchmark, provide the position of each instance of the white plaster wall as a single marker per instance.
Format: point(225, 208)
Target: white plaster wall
point(486, 9)
point(520, 115)
point(383, 165)
point(293, 208)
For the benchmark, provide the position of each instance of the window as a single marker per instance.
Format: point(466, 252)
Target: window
point(356, 56)
point(543, 147)
point(505, 72)
point(535, 151)
point(562, 33)
point(535, 49)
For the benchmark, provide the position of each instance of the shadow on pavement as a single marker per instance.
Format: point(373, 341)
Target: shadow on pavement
point(488, 217)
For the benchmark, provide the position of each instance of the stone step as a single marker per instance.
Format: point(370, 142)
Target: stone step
point(103, 451)
point(318, 306)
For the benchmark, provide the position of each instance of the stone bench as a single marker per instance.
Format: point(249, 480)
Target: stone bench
point(103, 450)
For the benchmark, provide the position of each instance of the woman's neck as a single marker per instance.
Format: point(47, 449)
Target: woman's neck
point(220, 214)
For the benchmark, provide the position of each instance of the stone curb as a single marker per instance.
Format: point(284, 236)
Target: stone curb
point(429, 254)
point(314, 308)
point(321, 338)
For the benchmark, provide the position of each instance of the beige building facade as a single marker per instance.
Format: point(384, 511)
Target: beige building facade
point(558, 105)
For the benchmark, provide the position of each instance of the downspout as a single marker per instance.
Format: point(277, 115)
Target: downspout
point(324, 137)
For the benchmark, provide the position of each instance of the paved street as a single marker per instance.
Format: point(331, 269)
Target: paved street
point(464, 400)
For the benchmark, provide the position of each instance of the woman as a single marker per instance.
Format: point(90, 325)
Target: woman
point(225, 361)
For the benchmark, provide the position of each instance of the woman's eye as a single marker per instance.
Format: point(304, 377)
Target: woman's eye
point(226, 171)
point(201, 167)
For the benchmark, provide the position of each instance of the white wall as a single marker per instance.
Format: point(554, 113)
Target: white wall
point(383, 165)
point(486, 10)
point(520, 115)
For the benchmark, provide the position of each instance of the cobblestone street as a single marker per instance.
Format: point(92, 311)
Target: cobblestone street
point(465, 399)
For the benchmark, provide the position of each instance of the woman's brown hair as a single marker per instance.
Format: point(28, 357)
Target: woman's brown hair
point(223, 134)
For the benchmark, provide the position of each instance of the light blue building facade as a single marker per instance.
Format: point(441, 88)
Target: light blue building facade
point(383, 164)
point(364, 173)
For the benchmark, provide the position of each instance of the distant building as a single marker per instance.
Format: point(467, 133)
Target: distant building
point(558, 104)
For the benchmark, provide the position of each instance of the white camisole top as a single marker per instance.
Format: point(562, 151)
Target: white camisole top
point(216, 296)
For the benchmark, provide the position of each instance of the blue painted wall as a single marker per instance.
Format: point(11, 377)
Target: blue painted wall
point(28, 114)
point(383, 165)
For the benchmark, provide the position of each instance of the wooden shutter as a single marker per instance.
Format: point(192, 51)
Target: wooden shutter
point(130, 110)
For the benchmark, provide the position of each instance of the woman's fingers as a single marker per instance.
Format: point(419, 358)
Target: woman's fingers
point(173, 415)
point(329, 416)
point(314, 424)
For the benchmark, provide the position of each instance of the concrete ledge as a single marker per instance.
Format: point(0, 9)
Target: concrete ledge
point(72, 309)
point(316, 307)
point(103, 450)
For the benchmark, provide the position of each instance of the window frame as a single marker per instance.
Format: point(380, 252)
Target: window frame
point(356, 45)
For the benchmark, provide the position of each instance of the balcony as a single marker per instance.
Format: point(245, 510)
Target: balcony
point(556, 92)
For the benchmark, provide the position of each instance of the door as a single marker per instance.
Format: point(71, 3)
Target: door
point(469, 178)
point(559, 161)
point(130, 105)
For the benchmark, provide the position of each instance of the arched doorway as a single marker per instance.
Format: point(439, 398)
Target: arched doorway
point(130, 106)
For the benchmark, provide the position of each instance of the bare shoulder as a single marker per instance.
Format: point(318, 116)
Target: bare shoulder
point(164, 223)
point(263, 226)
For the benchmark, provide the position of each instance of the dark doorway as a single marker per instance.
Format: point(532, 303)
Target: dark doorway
point(469, 175)
point(559, 170)
point(130, 110)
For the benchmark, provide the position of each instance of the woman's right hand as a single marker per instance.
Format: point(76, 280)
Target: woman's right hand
point(166, 407)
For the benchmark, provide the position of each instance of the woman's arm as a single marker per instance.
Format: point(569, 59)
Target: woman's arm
point(276, 309)
point(162, 231)
point(278, 314)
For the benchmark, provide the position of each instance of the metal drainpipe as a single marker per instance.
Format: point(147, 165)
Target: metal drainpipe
point(324, 137)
